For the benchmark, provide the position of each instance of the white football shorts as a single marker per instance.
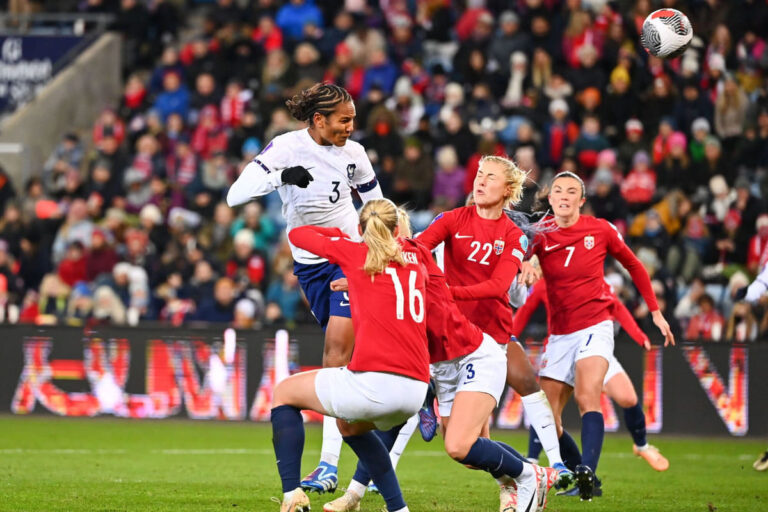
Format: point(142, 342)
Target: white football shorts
point(484, 370)
point(385, 399)
point(563, 350)
point(614, 368)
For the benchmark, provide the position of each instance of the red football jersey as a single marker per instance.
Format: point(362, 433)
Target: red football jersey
point(482, 257)
point(572, 260)
point(388, 310)
point(449, 332)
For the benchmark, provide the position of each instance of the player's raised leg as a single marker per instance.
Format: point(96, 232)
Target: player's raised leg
point(621, 390)
point(463, 444)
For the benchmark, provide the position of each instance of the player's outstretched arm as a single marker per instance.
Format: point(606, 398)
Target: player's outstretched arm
point(318, 240)
point(256, 181)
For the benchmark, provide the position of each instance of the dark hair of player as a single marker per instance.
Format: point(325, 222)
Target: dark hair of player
point(320, 98)
point(569, 174)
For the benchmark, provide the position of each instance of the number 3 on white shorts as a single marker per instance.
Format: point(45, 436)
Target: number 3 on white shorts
point(414, 296)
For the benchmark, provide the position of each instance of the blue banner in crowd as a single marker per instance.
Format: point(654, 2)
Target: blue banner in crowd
point(27, 63)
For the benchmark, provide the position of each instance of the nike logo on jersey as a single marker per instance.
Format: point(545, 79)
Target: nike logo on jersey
point(462, 236)
point(550, 247)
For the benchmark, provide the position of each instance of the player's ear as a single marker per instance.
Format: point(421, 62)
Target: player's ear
point(396, 232)
point(318, 120)
point(583, 200)
point(360, 229)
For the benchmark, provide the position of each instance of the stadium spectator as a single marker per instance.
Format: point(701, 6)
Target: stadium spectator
point(294, 15)
point(413, 176)
point(220, 307)
point(101, 258)
point(708, 324)
point(283, 299)
point(448, 187)
point(639, 186)
point(76, 227)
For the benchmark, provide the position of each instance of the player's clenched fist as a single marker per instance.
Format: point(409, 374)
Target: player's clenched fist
point(296, 175)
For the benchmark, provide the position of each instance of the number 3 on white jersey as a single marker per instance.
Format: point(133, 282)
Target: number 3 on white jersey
point(570, 254)
point(414, 296)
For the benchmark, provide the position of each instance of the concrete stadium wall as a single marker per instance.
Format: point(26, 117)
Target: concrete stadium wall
point(70, 102)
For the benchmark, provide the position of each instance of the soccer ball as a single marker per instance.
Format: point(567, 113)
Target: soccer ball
point(666, 33)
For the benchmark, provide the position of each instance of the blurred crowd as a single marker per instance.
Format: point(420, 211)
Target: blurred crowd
point(128, 222)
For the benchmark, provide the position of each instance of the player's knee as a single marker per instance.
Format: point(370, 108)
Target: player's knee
point(626, 401)
point(457, 448)
point(587, 400)
point(279, 396)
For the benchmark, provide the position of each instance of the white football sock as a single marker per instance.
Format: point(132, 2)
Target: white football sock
point(402, 439)
point(357, 488)
point(540, 415)
point(528, 472)
point(332, 440)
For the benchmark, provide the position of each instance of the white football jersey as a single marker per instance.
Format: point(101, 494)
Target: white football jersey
point(327, 201)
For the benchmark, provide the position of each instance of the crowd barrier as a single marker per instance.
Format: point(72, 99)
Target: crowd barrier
point(159, 372)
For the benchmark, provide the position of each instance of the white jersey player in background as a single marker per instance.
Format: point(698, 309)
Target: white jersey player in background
point(314, 170)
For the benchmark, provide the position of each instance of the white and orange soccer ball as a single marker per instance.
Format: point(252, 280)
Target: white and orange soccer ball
point(666, 33)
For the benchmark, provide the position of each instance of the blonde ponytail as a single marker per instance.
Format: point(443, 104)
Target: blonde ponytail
point(378, 221)
point(404, 223)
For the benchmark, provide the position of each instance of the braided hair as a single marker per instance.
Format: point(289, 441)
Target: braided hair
point(320, 98)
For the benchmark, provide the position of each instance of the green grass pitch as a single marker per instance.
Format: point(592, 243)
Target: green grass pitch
point(60, 464)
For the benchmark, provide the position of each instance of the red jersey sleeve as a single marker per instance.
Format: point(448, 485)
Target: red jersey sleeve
point(624, 317)
point(328, 243)
point(501, 279)
point(619, 250)
point(524, 312)
point(437, 232)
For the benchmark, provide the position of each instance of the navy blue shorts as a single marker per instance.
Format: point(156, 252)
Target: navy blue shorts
point(315, 280)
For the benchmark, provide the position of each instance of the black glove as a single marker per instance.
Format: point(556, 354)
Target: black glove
point(297, 175)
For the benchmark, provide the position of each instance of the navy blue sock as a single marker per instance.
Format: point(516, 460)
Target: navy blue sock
point(569, 451)
point(635, 420)
point(510, 450)
point(388, 438)
point(534, 445)
point(375, 456)
point(492, 457)
point(592, 432)
point(288, 440)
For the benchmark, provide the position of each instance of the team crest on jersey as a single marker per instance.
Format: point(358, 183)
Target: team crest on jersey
point(589, 241)
point(498, 247)
point(351, 171)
